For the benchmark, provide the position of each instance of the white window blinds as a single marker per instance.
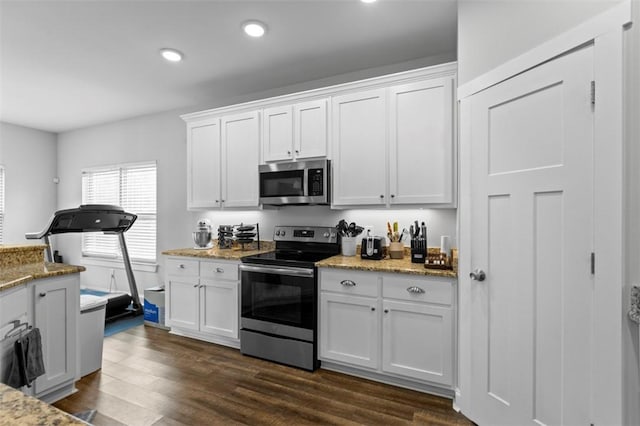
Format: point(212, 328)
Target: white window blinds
point(132, 187)
point(1, 202)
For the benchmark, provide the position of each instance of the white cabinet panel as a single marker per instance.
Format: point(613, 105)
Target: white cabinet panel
point(277, 133)
point(421, 142)
point(349, 329)
point(203, 164)
point(359, 148)
point(219, 307)
point(56, 312)
point(310, 129)
point(240, 150)
point(417, 341)
point(183, 303)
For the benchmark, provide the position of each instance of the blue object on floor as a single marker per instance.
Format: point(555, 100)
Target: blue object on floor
point(93, 292)
point(122, 324)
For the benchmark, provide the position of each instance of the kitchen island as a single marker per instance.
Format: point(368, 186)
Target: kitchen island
point(20, 264)
point(45, 296)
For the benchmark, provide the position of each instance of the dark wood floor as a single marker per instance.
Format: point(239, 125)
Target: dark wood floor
point(150, 377)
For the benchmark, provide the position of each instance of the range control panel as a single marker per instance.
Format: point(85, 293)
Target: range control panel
point(318, 234)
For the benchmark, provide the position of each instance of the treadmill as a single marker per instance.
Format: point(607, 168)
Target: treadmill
point(98, 218)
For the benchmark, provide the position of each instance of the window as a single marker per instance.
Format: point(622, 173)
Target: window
point(132, 187)
point(1, 202)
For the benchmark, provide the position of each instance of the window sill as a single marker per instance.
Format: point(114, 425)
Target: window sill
point(119, 264)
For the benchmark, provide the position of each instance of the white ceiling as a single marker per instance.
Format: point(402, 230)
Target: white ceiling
point(71, 64)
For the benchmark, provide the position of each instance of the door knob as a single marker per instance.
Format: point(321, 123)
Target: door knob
point(478, 275)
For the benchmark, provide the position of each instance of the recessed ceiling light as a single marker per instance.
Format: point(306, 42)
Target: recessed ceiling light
point(368, 1)
point(171, 55)
point(254, 28)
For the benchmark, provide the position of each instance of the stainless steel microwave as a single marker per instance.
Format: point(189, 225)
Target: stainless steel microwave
point(301, 182)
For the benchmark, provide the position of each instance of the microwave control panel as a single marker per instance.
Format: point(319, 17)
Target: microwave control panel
point(316, 182)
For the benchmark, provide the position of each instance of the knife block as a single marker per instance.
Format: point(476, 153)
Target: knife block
point(418, 255)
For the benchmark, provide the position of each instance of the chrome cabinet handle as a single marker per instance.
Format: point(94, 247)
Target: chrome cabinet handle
point(348, 283)
point(393, 195)
point(381, 196)
point(297, 151)
point(181, 266)
point(43, 294)
point(415, 290)
point(195, 286)
point(478, 275)
point(386, 311)
point(373, 308)
point(219, 270)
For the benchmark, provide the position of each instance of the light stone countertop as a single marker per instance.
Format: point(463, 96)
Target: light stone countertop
point(235, 253)
point(17, 408)
point(400, 266)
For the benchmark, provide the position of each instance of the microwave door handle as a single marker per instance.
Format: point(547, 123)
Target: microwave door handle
point(305, 182)
point(293, 272)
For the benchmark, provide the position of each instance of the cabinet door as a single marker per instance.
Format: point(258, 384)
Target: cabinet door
point(349, 329)
point(310, 129)
point(421, 142)
point(203, 164)
point(359, 148)
point(183, 302)
point(277, 133)
point(240, 148)
point(417, 341)
point(219, 307)
point(56, 312)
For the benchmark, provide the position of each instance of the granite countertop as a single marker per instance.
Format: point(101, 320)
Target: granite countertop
point(20, 264)
point(17, 275)
point(235, 253)
point(17, 408)
point(401, 266)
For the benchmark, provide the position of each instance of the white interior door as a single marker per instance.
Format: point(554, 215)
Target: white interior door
point(532, 233)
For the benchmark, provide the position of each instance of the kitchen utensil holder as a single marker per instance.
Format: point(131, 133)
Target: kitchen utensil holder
point(396, 250)
point(349, 245)
point(417, 255)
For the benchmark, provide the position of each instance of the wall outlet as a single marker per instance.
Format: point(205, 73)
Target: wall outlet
point(368, 230)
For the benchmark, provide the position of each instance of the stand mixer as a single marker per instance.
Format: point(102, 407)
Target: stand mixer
point(202, 236)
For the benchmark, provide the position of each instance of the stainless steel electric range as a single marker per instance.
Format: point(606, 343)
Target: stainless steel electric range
point(279, 296)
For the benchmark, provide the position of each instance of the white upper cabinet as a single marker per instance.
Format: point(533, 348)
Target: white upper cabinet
point(294, 132)
point(395, 146)
point(310, 129)
point(391, 140)
point(421, 142)
point(359, 148)
point(203, 164)
point(277, 133)
point(240, 151)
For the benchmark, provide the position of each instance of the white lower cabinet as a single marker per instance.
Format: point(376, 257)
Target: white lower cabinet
point(202, 299)
point(56, 312)
point(349, 329)
point(53, 306)
point(391, 325)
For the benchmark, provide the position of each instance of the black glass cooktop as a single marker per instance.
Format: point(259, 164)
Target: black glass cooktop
point(293, 258)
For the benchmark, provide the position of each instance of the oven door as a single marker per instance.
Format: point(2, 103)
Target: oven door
point(278, 300)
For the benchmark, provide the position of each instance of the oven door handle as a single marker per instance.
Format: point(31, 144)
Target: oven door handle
point(293, 272)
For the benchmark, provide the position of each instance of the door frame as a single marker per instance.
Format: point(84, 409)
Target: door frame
point(605, 32)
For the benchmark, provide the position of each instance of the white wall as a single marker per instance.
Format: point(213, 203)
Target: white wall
point(29, 158)
point(491, 32)
point(162, 137)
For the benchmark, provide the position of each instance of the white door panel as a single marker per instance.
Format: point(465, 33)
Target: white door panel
point(532, 232)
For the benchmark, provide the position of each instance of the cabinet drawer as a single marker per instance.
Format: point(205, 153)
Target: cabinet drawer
point(349, 282)
point(13, 305)
point(182, 267)
point(219, 270)
point(417, 289)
